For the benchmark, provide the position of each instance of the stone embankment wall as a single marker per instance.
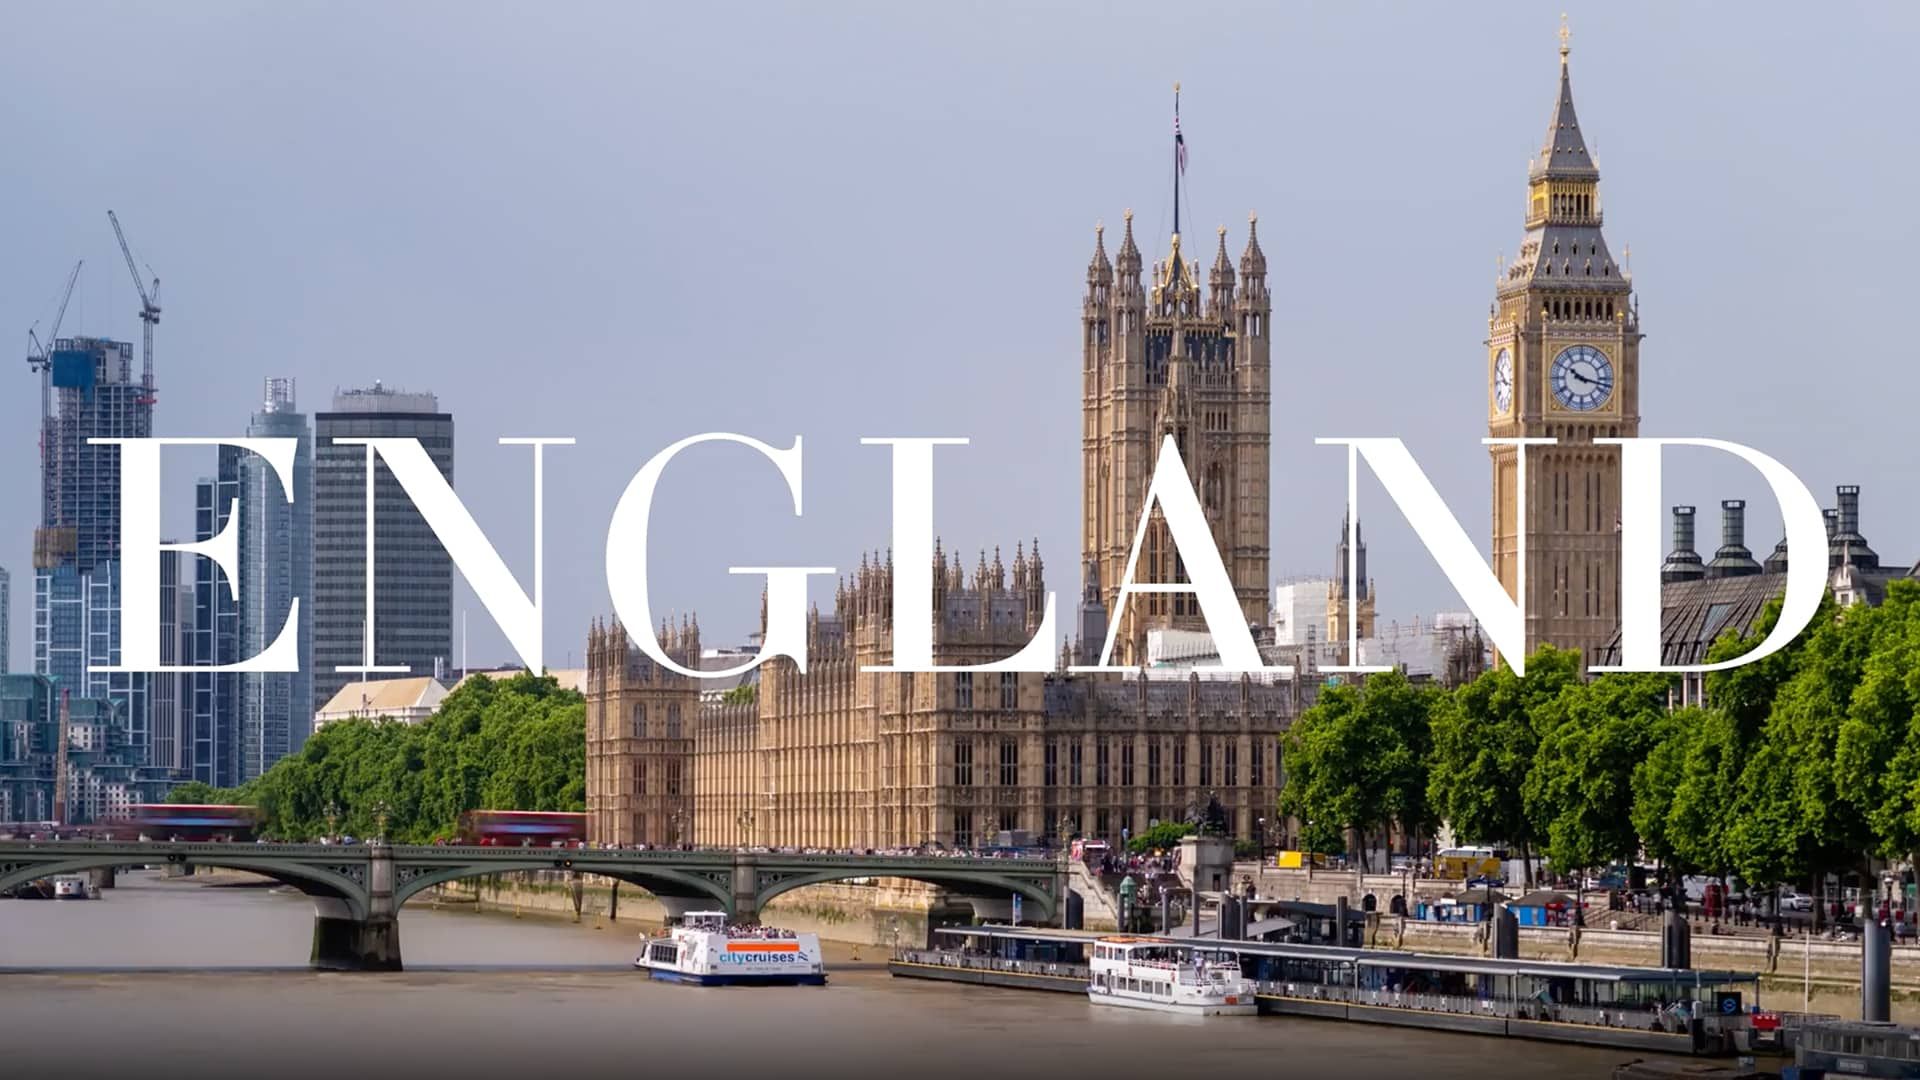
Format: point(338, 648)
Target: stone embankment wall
point(1624, 938)
point(1785, 959)
point(881, 913)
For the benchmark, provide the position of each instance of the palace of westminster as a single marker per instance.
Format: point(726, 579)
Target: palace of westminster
point(842, 757)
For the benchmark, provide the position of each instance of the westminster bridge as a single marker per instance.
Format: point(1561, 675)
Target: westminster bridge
point(358, 889)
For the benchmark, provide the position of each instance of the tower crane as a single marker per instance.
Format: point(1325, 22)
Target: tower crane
point(40, 354)
point(149, 312)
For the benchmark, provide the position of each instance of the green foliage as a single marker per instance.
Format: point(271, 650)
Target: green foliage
point(515, 744)
point(1804, 762)
point(198, 792)
point(1581, 787)
point(1485, 738)
point(1358, 760)
point(1161, 837)
point(1877, 751)
point(744, 694)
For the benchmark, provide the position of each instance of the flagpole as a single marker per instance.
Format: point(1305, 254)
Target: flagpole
point(1176, 159)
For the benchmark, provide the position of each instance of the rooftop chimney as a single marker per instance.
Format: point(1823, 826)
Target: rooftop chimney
point(1733, 559)
point(1777, 562)
point(1684, 563)
point(1845, 544)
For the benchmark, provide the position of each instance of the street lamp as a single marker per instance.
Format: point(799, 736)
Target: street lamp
point(333, 820)
point(380, 812)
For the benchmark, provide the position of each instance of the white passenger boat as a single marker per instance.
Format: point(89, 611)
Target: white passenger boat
point(71, 887)
point(1143, 973)
point(703, 949)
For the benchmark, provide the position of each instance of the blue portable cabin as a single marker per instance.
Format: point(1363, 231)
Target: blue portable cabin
point(1468, 906)
point(1544, 907)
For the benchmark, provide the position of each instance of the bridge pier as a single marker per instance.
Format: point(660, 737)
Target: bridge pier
point(103, 878)
point(342, 942)
point(349, 944)
point(745, 907)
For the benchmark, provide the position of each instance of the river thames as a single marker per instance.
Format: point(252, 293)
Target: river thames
point(179, 978)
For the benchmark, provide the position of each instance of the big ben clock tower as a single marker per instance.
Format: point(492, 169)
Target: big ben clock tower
point(1563, 362)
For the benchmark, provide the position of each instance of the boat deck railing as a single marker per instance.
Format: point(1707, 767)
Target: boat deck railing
point(939, 958)
point(1640, 1018)
point(1624, 1016)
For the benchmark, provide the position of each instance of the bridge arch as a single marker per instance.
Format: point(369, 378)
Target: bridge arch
point(965, 883)
point(332, 888)
point(659, 880)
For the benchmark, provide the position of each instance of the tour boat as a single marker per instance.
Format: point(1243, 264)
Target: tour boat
point(706, 951)
point(71, 887)
point(1143, 973)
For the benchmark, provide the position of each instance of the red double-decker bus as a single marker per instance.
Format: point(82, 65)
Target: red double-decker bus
point(521, 828)
point(193, 821)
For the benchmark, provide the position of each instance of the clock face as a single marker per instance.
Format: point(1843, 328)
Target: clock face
point(1503, 381)
point(1582, 377)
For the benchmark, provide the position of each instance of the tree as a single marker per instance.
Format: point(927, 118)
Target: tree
point(1160, 837)
point(196, 791)
point(1580, 790)
point(744, 694)
point(516, 744)
point(1798, 815)
point(1656, 785)
point(1485, 737)
point(1358, 760)
point(1877, 749)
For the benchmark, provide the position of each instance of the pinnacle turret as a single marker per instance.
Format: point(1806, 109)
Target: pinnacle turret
point(1099, 270)
point(1253, 261)
point(1220, 280)
point(1128, 261)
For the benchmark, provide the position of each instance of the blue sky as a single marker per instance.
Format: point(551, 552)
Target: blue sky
point(630, 223)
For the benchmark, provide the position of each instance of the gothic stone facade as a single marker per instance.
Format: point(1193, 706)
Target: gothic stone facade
point(837, 757)
point(640, 737)
point(1170, 364)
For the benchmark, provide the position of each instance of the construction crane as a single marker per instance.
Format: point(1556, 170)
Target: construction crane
point(40, 355)
point(149, 312)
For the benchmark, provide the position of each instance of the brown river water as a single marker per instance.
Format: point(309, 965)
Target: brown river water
point(182, 978)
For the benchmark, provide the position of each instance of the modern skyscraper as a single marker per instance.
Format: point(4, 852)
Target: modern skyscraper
point(412, 621)
point(90, 390)
point(171, 724)
point(6, 615)
point(276, 568)
point(1563, 361)
point(217, 745)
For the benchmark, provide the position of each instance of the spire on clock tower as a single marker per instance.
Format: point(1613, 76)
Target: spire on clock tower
point(1565, 152)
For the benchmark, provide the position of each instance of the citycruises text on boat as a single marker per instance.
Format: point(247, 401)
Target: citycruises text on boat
point(705, 950)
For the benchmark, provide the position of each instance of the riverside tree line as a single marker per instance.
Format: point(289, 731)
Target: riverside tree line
point(512, 744)
point(1804, 763)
